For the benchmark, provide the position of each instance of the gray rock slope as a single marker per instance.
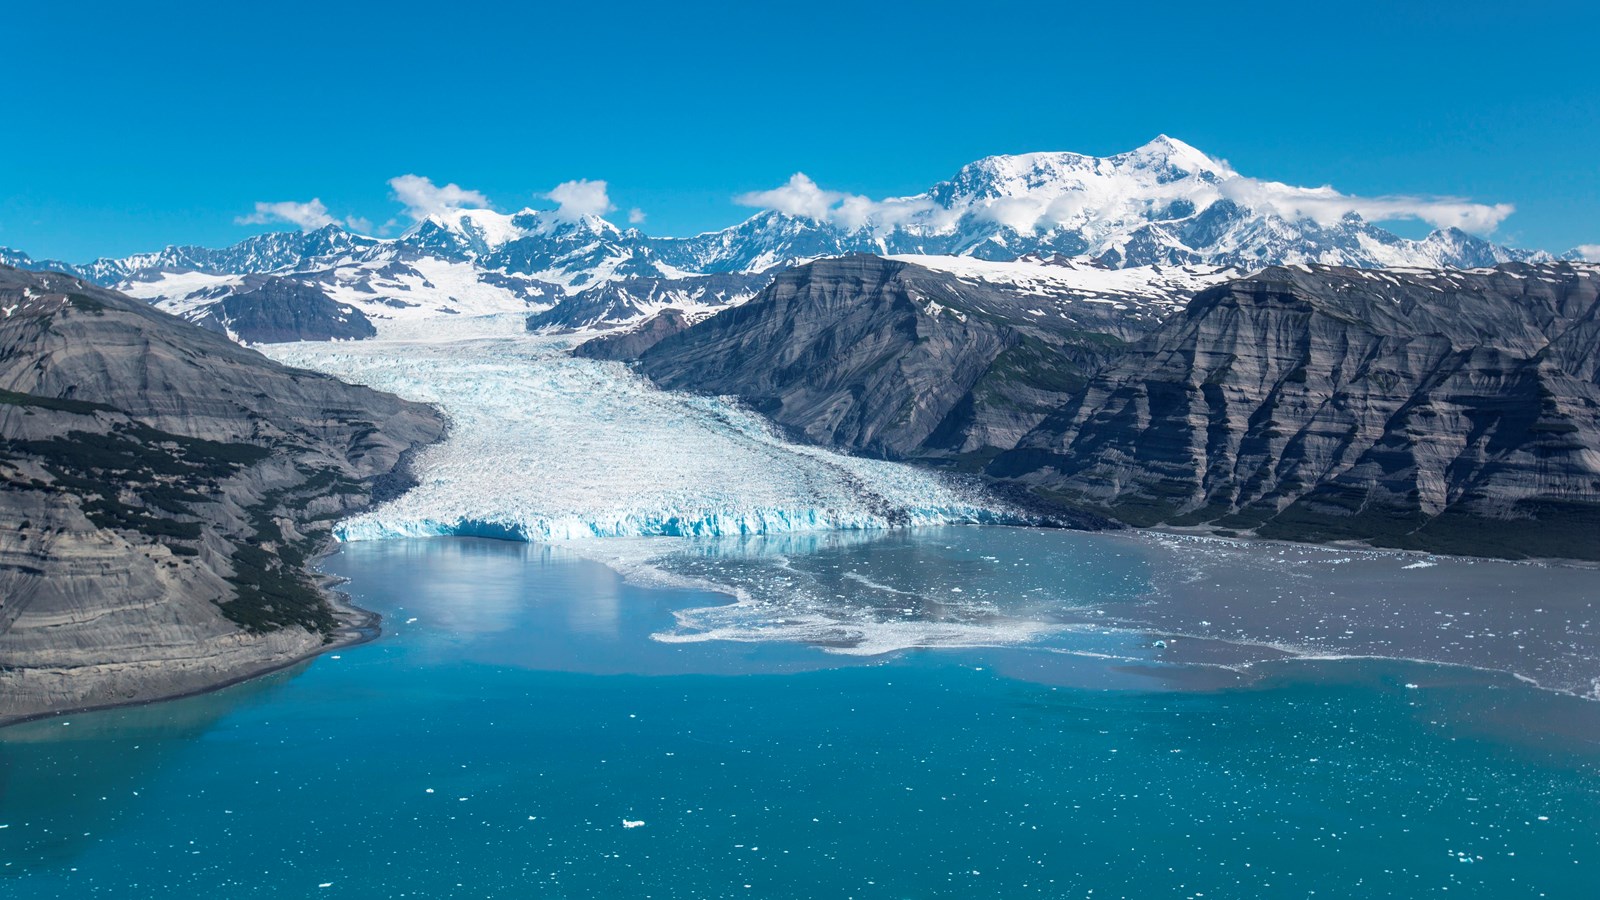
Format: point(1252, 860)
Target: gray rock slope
point(268, 309)
point(161, 490)
point(629, 344)
point(1442, 410)
point(893, 359)
point(630, 300)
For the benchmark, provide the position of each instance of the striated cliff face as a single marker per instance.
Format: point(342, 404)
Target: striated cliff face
point(161, 490)
point(1447, 410)
point(1456, 411)
point(890, 358)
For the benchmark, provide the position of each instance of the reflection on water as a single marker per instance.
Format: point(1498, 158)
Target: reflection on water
point(495, 738)
point(538, 607)
point(75, 777)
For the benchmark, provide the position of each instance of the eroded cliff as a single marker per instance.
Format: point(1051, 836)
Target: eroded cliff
point(1455, 411)
point(161, 490)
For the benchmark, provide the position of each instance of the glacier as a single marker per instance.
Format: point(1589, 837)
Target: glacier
point(545, 446)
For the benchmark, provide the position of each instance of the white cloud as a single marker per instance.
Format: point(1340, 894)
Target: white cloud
point(422, 198)
point(636, 216)
point(1590, 252)
point(802, 198)
point(1022, 214)
point(309, 216)
point(1327, 206)
point(1083, 199)
point(575, 199)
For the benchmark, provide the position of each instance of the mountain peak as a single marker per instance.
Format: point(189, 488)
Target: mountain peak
point(589, 222)
point(1176, 153)
point(1162, 203)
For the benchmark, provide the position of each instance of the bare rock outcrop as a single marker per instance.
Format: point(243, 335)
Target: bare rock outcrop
point(1455, 411)
point(631, 343)
point(893, 359)
point(161, 492)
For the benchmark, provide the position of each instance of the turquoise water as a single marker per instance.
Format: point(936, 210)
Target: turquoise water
point(517, 712)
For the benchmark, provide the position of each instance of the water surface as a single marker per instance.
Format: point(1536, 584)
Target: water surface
point(1031, 739)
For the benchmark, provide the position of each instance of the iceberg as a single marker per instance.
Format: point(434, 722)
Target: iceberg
point(545, 446)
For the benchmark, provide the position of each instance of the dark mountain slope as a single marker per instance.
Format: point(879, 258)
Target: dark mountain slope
point(632, 343)
point(268, 309)
point(1444, 410)
point(160, 491)
point(891, 359)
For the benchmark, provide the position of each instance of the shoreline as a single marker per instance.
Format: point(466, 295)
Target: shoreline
point(359, 626)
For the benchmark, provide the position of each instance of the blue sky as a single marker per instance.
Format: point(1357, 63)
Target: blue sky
point(133, 126)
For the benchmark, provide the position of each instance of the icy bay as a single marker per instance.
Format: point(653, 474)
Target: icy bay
point(797, 700)
point(532, 724)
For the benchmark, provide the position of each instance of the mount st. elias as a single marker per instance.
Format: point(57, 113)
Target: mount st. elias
point(1163, 204)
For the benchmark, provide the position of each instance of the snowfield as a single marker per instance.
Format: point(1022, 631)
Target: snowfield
point(544, 446)
point(1168, 286)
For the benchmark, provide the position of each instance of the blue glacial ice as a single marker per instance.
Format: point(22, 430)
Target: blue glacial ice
point(545, 446)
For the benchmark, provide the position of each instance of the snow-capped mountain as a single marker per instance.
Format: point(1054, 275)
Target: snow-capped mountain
point(1125, 303)
point(1164, 204)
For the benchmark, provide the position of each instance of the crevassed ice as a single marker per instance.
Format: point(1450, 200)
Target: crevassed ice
point(545, 446)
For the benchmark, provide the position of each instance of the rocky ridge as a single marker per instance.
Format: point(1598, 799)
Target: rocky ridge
point(1445, 410)
point(1437, 410)
point(163, 489)
point(895, 359)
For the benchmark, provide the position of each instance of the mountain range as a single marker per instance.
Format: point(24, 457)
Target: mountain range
point(1163, 204)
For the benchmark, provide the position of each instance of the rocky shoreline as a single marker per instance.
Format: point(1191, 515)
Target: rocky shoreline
point(357, 626)
point(166, 493)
